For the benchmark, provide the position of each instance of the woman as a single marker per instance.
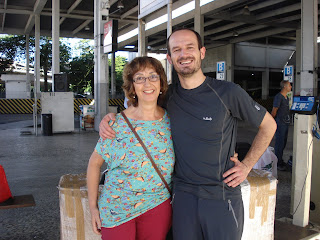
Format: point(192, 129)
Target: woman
point(134, 203)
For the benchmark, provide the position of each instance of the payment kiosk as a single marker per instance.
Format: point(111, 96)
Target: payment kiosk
point(306, 161)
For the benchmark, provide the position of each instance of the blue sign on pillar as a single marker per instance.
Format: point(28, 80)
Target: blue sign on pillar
point(221, 70)
point(288, 73)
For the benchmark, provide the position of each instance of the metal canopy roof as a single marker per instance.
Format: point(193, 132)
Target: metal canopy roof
point(225, 21)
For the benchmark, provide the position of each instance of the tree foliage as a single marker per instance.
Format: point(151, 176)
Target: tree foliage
point(80, 72)
point(80, 69)
point(13, 47)
point(120, 62)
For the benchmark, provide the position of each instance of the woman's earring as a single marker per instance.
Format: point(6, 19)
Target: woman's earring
point(160, 92)
point(134, 96)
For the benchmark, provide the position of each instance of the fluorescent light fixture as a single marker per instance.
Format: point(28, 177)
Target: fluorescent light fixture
point(318, 39)
point(164, 18)
point(129, 46)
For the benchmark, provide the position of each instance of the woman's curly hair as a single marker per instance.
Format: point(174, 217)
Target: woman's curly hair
point(136, 65)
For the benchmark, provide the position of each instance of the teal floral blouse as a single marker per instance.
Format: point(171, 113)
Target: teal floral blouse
point(132, 186)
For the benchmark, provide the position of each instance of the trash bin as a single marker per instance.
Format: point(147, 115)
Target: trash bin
point(46, 124)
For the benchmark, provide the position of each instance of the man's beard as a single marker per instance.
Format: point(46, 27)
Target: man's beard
point(187, 71)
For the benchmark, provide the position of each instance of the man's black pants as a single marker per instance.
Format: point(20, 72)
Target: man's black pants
point(206, 219)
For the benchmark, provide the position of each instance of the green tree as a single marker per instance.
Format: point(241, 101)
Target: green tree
point(6, 65)
point(10, 48)
point(80, 72)
point(13, 47)
point(46, 58)
point(120, 62)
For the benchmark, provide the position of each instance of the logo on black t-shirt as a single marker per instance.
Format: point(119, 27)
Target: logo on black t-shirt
point(207, 118)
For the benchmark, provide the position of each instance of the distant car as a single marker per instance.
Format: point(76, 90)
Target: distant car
point(80, 96)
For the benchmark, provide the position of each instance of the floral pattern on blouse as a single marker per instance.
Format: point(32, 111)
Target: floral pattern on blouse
point(132, 186)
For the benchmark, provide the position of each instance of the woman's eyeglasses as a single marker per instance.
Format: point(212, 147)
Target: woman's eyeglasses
point(152, 78)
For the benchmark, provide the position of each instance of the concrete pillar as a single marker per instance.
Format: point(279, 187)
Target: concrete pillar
point(230, 63)
point(101, 84)
point(265, 84)
point(55, 39)
point(131, 56)
point(309, 47)
point(265, 74)
point(28, 83)
point(36, 86)
point(198, 20)
point(301, 168)
point(302, 138)
point(169, 31)
point(113, 75)
point(141, 38)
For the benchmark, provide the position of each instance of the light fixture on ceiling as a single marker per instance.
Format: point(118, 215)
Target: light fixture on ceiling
point(120, 5)
point(235, 34)
point(246, 10)
point(87, 28)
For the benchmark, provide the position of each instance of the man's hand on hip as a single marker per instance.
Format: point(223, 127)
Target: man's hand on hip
point(236, 175)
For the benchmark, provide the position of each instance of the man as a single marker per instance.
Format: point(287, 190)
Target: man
point(207, 201)
point(281, 113)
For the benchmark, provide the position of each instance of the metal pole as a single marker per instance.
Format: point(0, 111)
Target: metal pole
point(36, 88)
point(113, 75)
point(27, 67)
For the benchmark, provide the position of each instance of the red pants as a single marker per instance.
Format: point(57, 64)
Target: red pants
point(152, 225)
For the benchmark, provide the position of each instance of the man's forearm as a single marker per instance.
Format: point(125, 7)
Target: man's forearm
point(274, 112)
point(261, 141)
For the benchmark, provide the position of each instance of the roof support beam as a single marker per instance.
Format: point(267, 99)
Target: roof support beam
point(260, 5)
point(4, 15)
point(260, 35)
point(82, 26)
point(287, 9)
point(128, 13)
point(73, 6)
point(16, 11)
point(240, 31)
point(38, 7)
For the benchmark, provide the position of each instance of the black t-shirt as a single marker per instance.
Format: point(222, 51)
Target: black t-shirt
point(204, 131)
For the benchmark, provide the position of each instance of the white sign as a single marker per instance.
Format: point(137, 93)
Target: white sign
point(221, 70)
point(149, 6)
point(110, 36)
point(288, 73)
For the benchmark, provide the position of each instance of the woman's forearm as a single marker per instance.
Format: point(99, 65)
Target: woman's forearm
point(93, 178)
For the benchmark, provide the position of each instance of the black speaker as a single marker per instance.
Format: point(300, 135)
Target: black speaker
point(61, 82)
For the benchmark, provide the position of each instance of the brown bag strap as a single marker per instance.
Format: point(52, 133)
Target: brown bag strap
point(147, 152)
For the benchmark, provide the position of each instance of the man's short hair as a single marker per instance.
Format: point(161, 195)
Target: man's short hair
point(188, 29)
point(283, 83)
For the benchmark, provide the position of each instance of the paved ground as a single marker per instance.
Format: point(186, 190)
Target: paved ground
point(34, 165)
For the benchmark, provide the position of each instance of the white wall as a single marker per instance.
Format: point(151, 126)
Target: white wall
point(17, 86)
